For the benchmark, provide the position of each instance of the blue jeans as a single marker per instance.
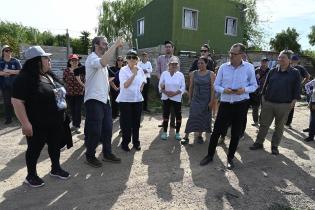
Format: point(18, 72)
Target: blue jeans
point(98, 127)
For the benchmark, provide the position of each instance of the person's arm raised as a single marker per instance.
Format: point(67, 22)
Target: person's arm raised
point(105, 60)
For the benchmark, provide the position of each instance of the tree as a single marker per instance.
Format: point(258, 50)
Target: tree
point(311, 36)
point(46, 38)
point(252, 32)
point(116, 18)
point(85, 42)
point(287, 39)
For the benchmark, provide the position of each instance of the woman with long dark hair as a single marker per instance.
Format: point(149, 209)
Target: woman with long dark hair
point(38, 99)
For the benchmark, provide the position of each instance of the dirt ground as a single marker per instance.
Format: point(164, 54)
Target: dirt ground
point(166, 175)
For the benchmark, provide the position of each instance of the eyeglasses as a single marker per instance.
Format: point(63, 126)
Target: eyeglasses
point(7, 50)
point(203, 50)
point(134, 57)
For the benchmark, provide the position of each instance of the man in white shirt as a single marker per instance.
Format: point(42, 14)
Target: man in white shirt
point(98, 123)
point(146, 66)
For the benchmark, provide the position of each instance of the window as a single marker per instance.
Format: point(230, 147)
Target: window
point(230, 26)
point(190, 19)
point(140, 27)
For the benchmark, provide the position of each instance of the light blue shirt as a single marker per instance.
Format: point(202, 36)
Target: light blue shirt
point(230, 77)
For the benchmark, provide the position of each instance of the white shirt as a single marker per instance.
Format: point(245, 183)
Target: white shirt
point(172, 83)
point(146, 66)
point(96, 79)
point(133, 92)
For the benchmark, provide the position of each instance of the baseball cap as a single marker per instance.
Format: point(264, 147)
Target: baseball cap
point(295, 58)
point(173, 59)
point(35, 51)
point(73, 56)
point(5, 47)
point(132, 53)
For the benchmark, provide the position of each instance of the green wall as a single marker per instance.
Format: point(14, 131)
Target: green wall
point(157, 25)
point(209, 29)
point(163, 21)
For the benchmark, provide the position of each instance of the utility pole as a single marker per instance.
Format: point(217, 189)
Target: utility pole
point(68, 43)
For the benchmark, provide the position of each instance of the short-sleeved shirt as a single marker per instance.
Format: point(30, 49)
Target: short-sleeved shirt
point(40, 102)
point(13, 64)
point(73, 87)
point(133, 92)
point(173, 83)
point(96, 79)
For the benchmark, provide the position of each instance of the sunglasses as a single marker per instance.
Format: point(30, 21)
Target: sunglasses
point(203, 50)
point(132, 57)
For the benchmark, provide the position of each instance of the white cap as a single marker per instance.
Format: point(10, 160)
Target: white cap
point(35, 51)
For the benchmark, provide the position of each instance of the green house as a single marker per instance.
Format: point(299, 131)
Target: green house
point(189, 24)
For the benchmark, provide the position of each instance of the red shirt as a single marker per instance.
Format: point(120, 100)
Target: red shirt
point(73, 87)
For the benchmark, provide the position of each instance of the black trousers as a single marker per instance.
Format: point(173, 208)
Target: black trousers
point(75, 105)
point(145, 94)
point(168, 106)
point(130, 117)
point(98, 127)
point(229, 114)
point(41, 136)
point(115, 105)
point(8, 108)
point(290, 117)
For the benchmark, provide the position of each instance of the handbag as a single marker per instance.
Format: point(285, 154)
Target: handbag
point(60, 94)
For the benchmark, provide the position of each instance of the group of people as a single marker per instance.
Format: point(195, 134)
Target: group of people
point(40, 100)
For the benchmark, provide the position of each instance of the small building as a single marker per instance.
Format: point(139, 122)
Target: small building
point(189, 24)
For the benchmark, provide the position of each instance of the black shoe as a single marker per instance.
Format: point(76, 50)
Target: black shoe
point(256, 146)
point(60, 173)
point(306, 130)
point(125, 148)
point(184, 141)
point(160, 126)
point(274, 150)
point(34, 181)
point(111, 158)
point(230, 164)
point(308, 139)
point(206, 160)
point(93, 161)
point(8, 121)
point(138, 148)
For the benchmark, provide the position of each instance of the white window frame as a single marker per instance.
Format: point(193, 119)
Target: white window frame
point(139, 27)
point(183, 18)
point(226, 32)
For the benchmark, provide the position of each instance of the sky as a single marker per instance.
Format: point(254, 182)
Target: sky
point(79, 15)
